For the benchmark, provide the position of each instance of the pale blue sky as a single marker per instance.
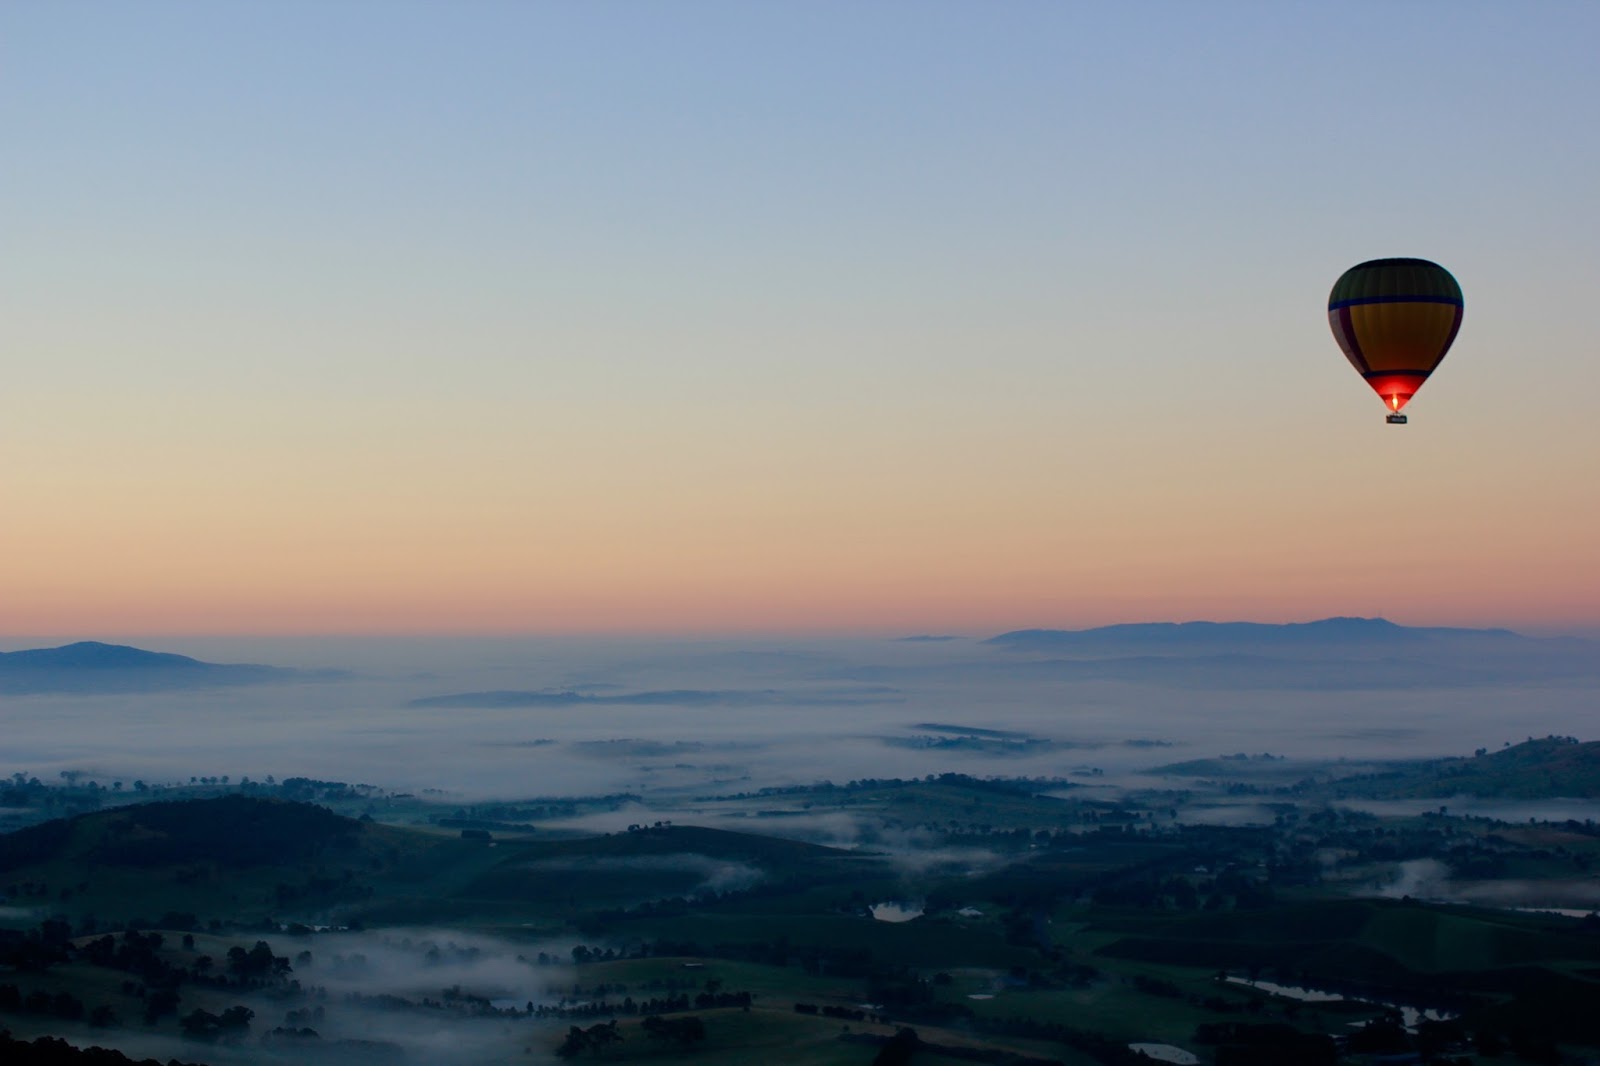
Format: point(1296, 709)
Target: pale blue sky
point(978, 253)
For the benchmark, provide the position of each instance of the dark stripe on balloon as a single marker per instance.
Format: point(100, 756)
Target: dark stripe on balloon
point(1354, 350)
point(1395, 300)
point(1369, 374)
point(1409, 261)
point(1455, 327)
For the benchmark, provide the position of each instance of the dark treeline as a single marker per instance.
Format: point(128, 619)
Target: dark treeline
point(1246, 1044)
point(901, 1049)
point(155, 983)
point(230, 831)
point(684, 1032)
point(1097, 1045)
point(78, 794)
point(515, 815)
point(658, 1005)
point(1009, 786)
point(51, 1051)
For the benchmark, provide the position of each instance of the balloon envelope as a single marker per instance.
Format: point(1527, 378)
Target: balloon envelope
point(1395, 320)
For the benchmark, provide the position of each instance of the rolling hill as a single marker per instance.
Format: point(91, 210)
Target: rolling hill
point(252, 858)
point(232, 855)
point(1536, 769)
point(93, 667)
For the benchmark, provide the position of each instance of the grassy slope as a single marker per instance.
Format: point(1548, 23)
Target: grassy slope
point(227, 858)
point(441, 877)
point(1369, 940)
point(1534, 769)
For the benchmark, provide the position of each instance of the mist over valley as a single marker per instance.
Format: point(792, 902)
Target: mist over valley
point(561, 717)
point(454, 851)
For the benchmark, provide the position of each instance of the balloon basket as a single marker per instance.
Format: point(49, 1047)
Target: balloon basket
point(1395, 419)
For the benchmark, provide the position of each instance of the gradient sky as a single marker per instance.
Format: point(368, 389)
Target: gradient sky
point(730, 317)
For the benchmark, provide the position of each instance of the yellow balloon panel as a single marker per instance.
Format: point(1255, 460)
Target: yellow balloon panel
point(1403, 335)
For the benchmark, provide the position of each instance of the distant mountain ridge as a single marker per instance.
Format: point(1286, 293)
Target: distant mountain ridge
point(92, 666)
point(1184, 635)
point(1331, 653)
point(94, 655)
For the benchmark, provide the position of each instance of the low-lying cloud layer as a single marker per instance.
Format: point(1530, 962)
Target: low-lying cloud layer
point(567, 717)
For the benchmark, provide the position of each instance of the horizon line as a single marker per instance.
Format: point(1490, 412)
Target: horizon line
point(702, 635)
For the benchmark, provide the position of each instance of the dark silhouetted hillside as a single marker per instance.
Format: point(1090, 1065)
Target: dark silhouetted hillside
point(91, 667)
point(1536, 769)
point(1331, 654)
point(51, 1051)
point(1213, 636)
point(231, 832)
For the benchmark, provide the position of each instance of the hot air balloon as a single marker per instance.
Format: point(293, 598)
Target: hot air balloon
point(1395, 319)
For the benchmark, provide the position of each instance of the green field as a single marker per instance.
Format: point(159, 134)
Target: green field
point(1056, 929)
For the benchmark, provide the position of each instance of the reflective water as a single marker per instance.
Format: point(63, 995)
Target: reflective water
point(1565, 912)
point(1409, 1016)
point(1304, 995)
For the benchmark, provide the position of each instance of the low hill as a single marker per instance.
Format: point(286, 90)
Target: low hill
point(251, 858)
point(90, 666)
point(1497, 969)
point(235, 855)
point(1330, 654)
point(233, 832)
point(1536, 769)
point(569, 878)
point(1544, 768)
point(1366, 940)
point(1217, 636)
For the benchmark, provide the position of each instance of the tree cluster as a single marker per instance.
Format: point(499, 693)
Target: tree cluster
point(52, 1051)
point(230, 1025)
